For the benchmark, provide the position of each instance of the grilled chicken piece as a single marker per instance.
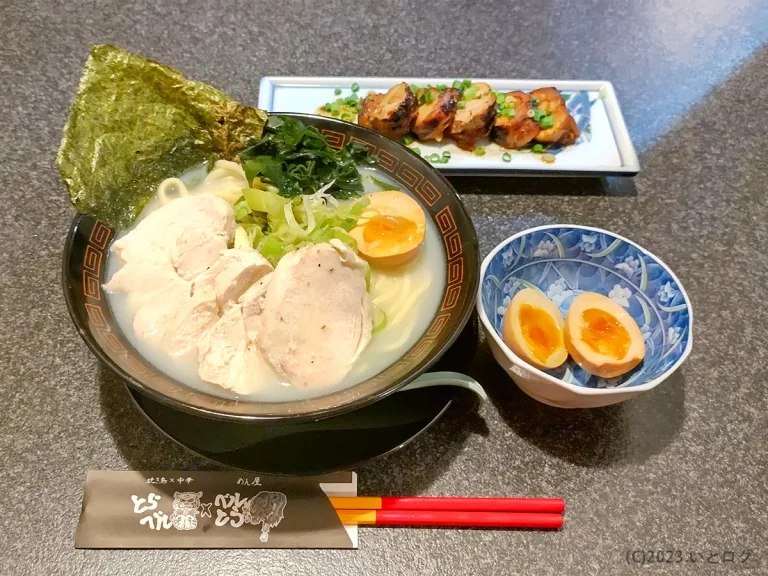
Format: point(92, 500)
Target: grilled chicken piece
point(390, 113)
point(432, 119)
point(370, 102)
point(517, 131)
point(474, 121)
point(564, 131)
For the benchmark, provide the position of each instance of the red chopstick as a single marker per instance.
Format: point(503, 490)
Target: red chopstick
point(451, 519)
point(539, 505)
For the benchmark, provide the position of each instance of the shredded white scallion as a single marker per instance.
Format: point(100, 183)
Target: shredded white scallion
point(310, 214)
point(290, 219)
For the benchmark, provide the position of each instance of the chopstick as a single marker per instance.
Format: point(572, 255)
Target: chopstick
point(450, 518)
point(537, 505)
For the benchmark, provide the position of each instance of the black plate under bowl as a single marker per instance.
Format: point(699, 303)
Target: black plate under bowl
point(307, 448)
point(84, 271)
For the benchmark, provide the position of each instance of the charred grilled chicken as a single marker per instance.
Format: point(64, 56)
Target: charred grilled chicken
point(474, 120)
point(519, 129)
point(564, 130)
point(367, 109)
point(389, 113)
point(433, 117)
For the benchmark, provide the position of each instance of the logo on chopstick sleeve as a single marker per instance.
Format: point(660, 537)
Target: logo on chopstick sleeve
point(265, 508)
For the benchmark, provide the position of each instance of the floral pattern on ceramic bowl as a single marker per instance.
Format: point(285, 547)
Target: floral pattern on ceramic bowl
point(564, 261)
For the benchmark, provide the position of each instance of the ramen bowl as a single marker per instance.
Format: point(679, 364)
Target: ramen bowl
point(85, 271)
point(563, 261)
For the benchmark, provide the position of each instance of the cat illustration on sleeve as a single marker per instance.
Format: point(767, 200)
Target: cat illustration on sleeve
point(186, 506)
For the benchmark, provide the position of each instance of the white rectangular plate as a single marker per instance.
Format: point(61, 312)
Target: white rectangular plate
point(604, 146)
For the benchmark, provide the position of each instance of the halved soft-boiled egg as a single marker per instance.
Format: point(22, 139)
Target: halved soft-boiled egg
point(534, 329)
point(602, 337)
point(391, 229)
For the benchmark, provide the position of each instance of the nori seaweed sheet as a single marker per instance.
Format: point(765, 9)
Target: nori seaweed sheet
point(135, 122)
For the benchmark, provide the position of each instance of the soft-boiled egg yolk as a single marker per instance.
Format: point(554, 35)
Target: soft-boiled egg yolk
point(602, 337)
point(540, 331)
point(390, 229)
point(533, 329)
point(604, 334)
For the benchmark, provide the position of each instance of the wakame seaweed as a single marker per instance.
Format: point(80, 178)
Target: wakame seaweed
point(298, 160)
point(135, 122)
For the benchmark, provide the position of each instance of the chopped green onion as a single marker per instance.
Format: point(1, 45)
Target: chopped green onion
point(500, 99)
point(479, 151)
point(434, 157)
point(537, 149)
point(535, 101)
point(442, 87)
point(547, 122)
point(531, 113)
point(466, 83)
point(335, 112)
point(446, 154)
point(337, 91)
point(508, 112)
point(548, 158)
point(429, 96)
point(460, 104)
point(416, 150)
point(414, 88)
point(355, 87)
point(506, 157)
point(457, 84)
point(470, 93)
point(347, 117)
point(565, 97)
point(407, 140)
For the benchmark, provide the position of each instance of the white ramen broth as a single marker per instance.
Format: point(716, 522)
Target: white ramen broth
point(409, 296)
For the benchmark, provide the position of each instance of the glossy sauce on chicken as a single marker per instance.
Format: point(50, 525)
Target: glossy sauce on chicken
point(435, 113)
point(513, 127)
point(474, 120)
point(390, 113)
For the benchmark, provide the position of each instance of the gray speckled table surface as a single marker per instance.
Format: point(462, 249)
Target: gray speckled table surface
point(682, 467)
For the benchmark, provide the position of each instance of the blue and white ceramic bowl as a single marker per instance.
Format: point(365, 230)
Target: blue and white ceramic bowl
point(562, 261)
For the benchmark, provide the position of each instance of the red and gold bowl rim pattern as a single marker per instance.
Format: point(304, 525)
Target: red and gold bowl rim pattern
point(85, 268)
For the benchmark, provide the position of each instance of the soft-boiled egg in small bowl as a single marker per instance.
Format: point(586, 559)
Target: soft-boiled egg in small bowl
point(580, 317)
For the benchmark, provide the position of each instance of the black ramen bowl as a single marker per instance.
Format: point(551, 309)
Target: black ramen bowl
point(85, 259)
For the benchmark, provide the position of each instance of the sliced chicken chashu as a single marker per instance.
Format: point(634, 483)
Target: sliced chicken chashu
point(316, 318)
point(252, 302)
point(474, 120)
point(231, 275)
point(196, 315)
point(564, 130)
point(154, 234)
point(157, 309)
point(390, 113)
point(221, 353)
point(517, 130)
point(435, 115)
point(194, 251)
